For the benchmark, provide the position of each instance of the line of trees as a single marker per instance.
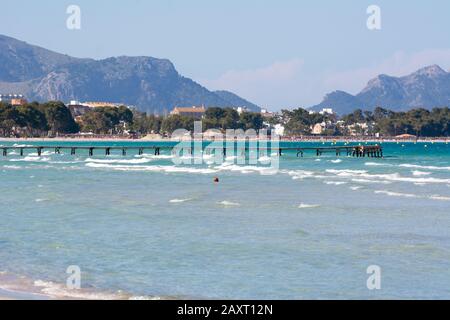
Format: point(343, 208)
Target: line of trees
point(36, 119)
point(419, 122)
point(107, 120)
point(300, 121)
point(214, 118)
point(54, 118)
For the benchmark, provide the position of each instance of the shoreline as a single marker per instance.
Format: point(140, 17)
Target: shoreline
point(299, 140)
point(6, 294)
point(18, 287)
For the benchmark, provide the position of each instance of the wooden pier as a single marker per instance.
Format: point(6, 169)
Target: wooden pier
point(372, 151)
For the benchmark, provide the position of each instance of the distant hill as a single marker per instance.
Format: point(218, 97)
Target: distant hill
point(152, 85)
point(428, 87)
point(235, 100)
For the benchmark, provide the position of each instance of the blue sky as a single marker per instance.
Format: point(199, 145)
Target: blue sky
point(277, 53)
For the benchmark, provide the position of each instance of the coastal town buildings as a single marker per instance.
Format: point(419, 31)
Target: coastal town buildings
point(77, 109)
point(241, 110)
point(267, 114)
point(279, 129)
point(13, 99)
point(318, 128)
point(322, 127)
point(359, 129)
point(324, 111)
point(101, 104)
point(194, 111)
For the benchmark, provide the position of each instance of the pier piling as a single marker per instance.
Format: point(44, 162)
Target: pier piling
point(370, 151)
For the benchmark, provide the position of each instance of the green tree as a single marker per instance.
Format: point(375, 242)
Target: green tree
point(251, 120)
point(9, 119)
point(59, 118)
point(175, 122)
point(33, 118)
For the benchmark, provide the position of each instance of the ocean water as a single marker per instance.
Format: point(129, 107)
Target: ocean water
point(140, 226)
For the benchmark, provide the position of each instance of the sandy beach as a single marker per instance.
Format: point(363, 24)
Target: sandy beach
point(305, 139)
point(16, 295)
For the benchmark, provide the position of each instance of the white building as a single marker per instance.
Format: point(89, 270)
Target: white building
point(8, 98)
point(318, 128)
point(326, 111)
point(323, 111)
point(279, 130)
point(241, 110)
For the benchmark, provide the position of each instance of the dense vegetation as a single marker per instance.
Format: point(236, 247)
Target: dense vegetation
point(300, 121)
point(419, 122)
point(107, 120)
point(54, 118)
point(36, 119)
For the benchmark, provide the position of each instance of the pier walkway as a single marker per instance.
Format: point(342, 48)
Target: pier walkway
point(372, 151)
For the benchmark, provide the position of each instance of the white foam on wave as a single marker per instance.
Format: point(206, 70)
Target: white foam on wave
point(65, 162)
point(43, 153)
point(299, 174)
point(345, 172)
point(31, 158)
point(418, 173)
point(156, 157)
point(369, 181)
point(245, 168)
point(22, 145)
point(229, 204)
point(41, 200)
point(393, 177)
point(179, 200)
point(120, 161)
point(12, 167)
point(57, 290)
point(396, 194)
point(438, 197)
point(336, 161)
point(308, 206)
point(265, 160)
point(355, 188)
point(167, 169)
point(376, 164)
point(407, 165)
point(335, 183)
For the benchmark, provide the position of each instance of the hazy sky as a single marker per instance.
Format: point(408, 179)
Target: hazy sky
point(277, 53)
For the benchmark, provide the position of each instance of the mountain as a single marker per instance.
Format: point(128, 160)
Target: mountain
point(427, 88)
point(235, 100)
point(152, 85)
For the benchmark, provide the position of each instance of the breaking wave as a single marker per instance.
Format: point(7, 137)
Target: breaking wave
point(407, 165)
point(335, 183)
point(394, 177)
point(396, 194)
point(179, 200)
point(418, 173)
point(229, 204)
point(308, 206)
point(124, 161)
point(168, 169)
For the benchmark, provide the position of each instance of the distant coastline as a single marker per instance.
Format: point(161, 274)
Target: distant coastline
point(336, 139)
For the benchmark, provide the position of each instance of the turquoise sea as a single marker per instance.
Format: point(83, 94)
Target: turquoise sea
point(140, 226)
